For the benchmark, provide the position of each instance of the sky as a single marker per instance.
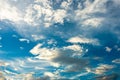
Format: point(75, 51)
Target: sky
point(59, 39)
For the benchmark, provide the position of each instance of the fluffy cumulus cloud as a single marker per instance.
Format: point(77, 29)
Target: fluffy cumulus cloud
point(39, 14)
point(65, 55)
point(24, 40)
point(69, 36)
point(68, 57)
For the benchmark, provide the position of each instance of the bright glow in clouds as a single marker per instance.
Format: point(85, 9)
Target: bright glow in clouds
point(44, 53)
point(9, 12)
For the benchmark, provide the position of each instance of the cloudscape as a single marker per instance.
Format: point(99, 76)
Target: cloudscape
point(59, 39)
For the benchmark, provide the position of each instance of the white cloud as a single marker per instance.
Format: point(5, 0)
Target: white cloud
point(35, 50)
point(78, 50)
point(52, 41)
point(82, 40)
point(9, 12)
point(65, 5)
point(24, 40)
point(44, 53)
point(49, 74)
point(2, 63)
point(108, 49)
point(87, 17)
point(37, 37)
point(33, 17)
point(29, 76)
point(92, 22)
point(40, 14)
point(69, 56)
point(59, 16)
point(43, 15)
point(74, 48)
point(21, 68)
point(102, 68)
point(117, 61)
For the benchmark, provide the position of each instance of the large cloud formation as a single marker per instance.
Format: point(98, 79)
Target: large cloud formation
point(70, 34)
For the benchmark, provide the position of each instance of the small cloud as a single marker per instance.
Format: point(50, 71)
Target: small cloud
point(38, 37)
point(117, 61)
point(82, 40)
point(74, 48)
point(108, 49)
point(95, 22)
point(102, 68)
point(51, 41)
point(66, 4)
point(24, 40)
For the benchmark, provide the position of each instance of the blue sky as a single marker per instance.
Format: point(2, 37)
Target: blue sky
point(59, 39)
